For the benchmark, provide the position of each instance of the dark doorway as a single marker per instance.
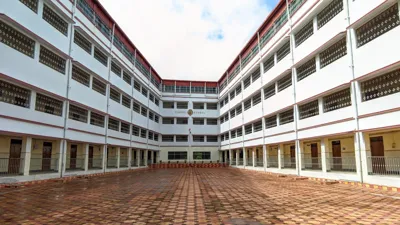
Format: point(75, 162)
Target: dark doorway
point(336, 155)
point(314, 156)
point(90, 162)
point(46, 156)
point(378, 155)
point(14, 161)
point(293, 156)
point(72, 159)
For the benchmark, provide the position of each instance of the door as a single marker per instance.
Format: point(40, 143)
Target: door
point(155, 157)
point(314, 156)
point(46, 156)
point(15, 156)
point(292, 156)
point(378, 155)
point(72, 157)
point(90, 163)
point(336, 155)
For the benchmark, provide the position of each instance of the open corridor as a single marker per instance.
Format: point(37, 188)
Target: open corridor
point(196, 196)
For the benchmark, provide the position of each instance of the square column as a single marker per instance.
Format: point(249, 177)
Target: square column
point(86, 150)
point(138, 157)
point(104, 157)
point(300, 156)
point(280, 161)
point(118, 157)
point(361, 143)
point(244, 157)
point(62, 159)
point(152, 156)
point(226, 156)
point(129, 157)
point(323, 156)
point(237, 157)
point(265, 159)
point(254, 157)
point(146, 156)
point(26, 154)
point(230, 157)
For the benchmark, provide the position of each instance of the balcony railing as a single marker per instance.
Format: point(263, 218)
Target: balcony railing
point(134, 163)
point(95, 164)
point(272, 162)
point(111, 163)
point(289, 162)
point(259, 162)
point(347, 164)
point(240, 162)
point(75, 164)
point(249, 162)
point(141, 162)
point(44, 165)
point(11, 166)
point(123, 162)
point(311, 163)
point(383, 165)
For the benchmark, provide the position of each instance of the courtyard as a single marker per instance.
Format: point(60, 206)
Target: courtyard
point(196, 196)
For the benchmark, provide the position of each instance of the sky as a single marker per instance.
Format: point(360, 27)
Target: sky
point(189, 39)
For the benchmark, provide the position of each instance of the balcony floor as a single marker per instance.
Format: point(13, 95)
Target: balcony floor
point(196, 196)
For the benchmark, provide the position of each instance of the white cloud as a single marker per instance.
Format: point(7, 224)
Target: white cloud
point(189, 40)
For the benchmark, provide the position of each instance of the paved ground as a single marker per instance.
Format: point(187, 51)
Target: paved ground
point(196, 196)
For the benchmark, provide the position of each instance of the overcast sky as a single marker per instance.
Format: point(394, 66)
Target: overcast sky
point(192, 39)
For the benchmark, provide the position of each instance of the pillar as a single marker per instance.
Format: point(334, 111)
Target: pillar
point(280, 161)
point(265, 159)
point(118, 156)
point(362, 144)
point(323, 156)
point(226, 157)
point(62, 159)
point(146, 153)
point(129, 157)
point(254, 157)
point(138, 157)
point(300, 157)
point(26, 154)
point(244, 157)
point(230, 157)
point(104, 157)
point(86, 150)
point(237, 157)
point(152, 157)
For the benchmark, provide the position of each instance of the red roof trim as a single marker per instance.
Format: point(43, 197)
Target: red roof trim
point(198, 84)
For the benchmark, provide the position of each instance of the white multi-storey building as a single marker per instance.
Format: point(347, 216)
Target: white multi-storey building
point(315, 92)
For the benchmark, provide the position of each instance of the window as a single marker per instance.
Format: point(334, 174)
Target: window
point(247, 104)
point(156, 102)
point(55, 20)
point(113, 124)
point(177, 155)
point(283, 51)
point(304, 33)
point(248, 129)
point(82, 42)
point(306, 69)
point(99, 86)
point(255, 75)
point(227, 136)
point(226, 100)
point(155, 137)
point(286, 117)
point(125, 128)
point(333, 53)
point(78, 114)
point(167, 138)
point(181, 120)
point(381, 86)
point(181, 138)
point(337, 100)
point(15, 95)
point(211, 90)
point(308, 110)
point(239, 132)
point(143, 133)
point(115, 68)
point(247, 82)
point(285, 82)
point(270, 122)
point(127, 77)
point(144, 92)
point(16, 40)
point(233, 113)
point(222, 119)
point(150, 135)
point(201, 155)
point(212, 121)
point(182, 89)
point(221, 104)
point(169, 88)
point(115, 95)
point(197, 89)
point(233, 134)
point(151, 115)
point(96, 119)
point(52, 60)
point(257, 126)
point(269, 63)
point(31, 4)
point(256, 99)
point(222, 137)
point(269, 91)
point(80, 76)
point(135, 131)
point(212, 138)
point(232, 95)
point(329, 12)
point(227, 117)
point(379, 25)
point(156, 118)
point(166, 120)
point(151, 97)
point(168, 105)
point(143, 111)
point(198, 138)
point(48, 105)
point(126, 101)
point(100, 56)
point(239, 109)
point(136, 85)
point(198, 121)
point(181, 105)
point(198, 105)
point(238, 89)
point(136, 107)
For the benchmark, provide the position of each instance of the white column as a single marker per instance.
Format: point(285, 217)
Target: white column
point(138, 157)
point(299, 164)
point(104, 157)
point(328, 155)
point(146, 152)
point(62, 156)
point(26, 154)
point(362, 145)
point(226, 156)
point(244, 157)
point(86, 150)
point(280, 161)
point(265, 157)
point(129, 157)
point(118, 156)
point(237, 157)
point(323, 155)
point(230, 157)
point(254, 157)
point(152, 157)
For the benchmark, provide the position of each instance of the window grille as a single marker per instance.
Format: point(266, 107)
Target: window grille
point(155, 137)
point(151, 97)
point(304, 33)
point(150, 135)
point(221, 104)
point(239, 132)
point(181, 105)
point(48, 105)
point(82, 42)
point(248, 129)
point(115, 68)
point(126, 101)
point(115, 95)
point(156, 102)
point(222, 137)
point(198, 138)
point(283, 51)
point(168, 105)
point(144, 92)
point(256, 99)
point(156, 118)
point(166, 120)
point(226, 117)
point(181, 120)
point(104, 29)
point(337, 100)
point(233, 133)
point(333, 53)
point(247, 104)
point(55, 20)
point(233, 113)
point(255, 75)
point(222, 119)
point(167, 138)
point(226, 100)
point(100, 56)
point(78, 114)
point(143, 111)
point(232, 94)
point(212, 138)
point(285, 82)
point(329, 12)
point(177, 155)
point(247, 82)
point(238, 89)
point(294, 5)
point(257, 126)
point(212, 121)
point(86, 9)
point(136, 85)
point(379, 25)
point(135, 131)
point(169, 88)
point(211, 90)
point(151, 115)
point(269, 91)
point(239, 110)
point(52, 60)
point(198, 105)
point(80, 76)
point(197, 89)
point(245, 60)
point(227, 136)
point(142, 69)
point(181, 138)
point(16, 40)
point(269, 63)
point(125, 128)
point(381, 86)
point(309, 110)
point(31, 4)
point(143, 133)
point(127, 78)
point(306, 69)
point(286, 117)
point(270, 122)
point(113, 124)
point(136, 107)
point(15, 95)
point(96, 119)
point(99, 86)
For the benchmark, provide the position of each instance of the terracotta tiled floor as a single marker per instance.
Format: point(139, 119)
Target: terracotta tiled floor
point(196, 196)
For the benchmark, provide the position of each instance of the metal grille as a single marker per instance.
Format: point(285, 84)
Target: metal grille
point(78, 114)
point(167, 138)
point(269, 63)
point(283, 51)
point(233, 133)
point(115, 68)
point(333, 53)
point(247, 104)
point(232, 94)
point(126, 101)
point(304, 33)
point(151, 115)
point(31, 4)
point(269, 91)
point(329, 12)
point(337, 100)
point(247, 82)
point(115, 95)
point(239, 109)
point(82, 42)
point(270, 122)
point(308, 110)
point(99, 86)
point(379, 25)
point(233, 113)
point(257, 126)
point(100, 56)
point(48, 105)
point(96, 119)
point(143, 111)
point(156, 118)
point(150, 135)
point(52, 60)
point(135, 131)
point(136, 85)
point(198, 138)
point(239, 132)
point(144, 91)
point(15, 95)
point(16, 40)
point(80, 76)
point(255, 75)
point(113, 124)
point(127, 78)
point(181, 138)
point(248, 129)
point(55, 20)
point(286, 117)
point(256, 99)
point(136, 107)
point(181, 105)
point(306, 69)
point(285, 82)
point(381, 86)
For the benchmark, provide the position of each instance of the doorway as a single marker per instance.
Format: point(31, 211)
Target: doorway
point(378, 155)
point(46, 156)
point(292, 156)
point(72, 159)
point(314, 156)
point(336, 155)
point(90, 162)
point(14, 160)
